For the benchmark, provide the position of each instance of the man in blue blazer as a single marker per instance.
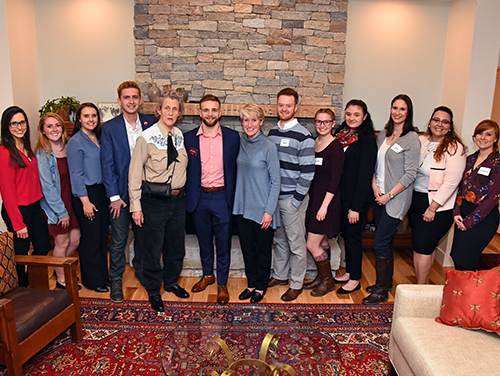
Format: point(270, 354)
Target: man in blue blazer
point(211, 180)
point(118, 140)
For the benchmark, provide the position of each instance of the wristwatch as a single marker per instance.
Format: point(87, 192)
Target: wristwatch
point(391, 195)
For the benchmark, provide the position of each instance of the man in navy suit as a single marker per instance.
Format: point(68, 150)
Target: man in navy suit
point(118, 140)
point(211, 180)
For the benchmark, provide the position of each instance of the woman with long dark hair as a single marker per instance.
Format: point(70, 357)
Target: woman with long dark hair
point(357, 137)
point(476, 209)
point(53, 168)
point(89, 197)
point(323, 212)
point(396, 169)
point(20, 188)
point(442, 163)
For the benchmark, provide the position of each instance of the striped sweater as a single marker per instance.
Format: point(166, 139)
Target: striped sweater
point(296, 153)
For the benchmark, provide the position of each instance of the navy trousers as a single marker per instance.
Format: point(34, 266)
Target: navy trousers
point(213, 217)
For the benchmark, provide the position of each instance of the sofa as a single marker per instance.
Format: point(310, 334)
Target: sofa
point(421, 346)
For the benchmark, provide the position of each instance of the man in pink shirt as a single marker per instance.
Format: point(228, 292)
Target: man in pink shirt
point(211, 180)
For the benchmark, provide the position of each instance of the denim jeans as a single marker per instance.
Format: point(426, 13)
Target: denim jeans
point(119, 236)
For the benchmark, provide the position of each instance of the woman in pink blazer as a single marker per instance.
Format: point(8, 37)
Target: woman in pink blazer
point(442, 163)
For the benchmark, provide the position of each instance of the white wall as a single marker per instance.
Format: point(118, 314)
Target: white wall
point(393, 47)
point(24, 59)
point(85, 48)
point(6, 96)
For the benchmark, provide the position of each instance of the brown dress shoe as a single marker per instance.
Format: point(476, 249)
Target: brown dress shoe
point(222, 295)
point(291, 294)
point(203, 283)
point(277, 282)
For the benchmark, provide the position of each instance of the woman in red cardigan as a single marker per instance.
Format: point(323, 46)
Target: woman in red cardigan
point(20, 188)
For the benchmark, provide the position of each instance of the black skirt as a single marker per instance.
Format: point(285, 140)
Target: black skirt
point(468, 245)
point(426, 235)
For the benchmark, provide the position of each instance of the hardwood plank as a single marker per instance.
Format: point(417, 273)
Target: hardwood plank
point(403, 273)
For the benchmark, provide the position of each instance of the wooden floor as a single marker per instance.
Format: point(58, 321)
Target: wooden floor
point(403, 273)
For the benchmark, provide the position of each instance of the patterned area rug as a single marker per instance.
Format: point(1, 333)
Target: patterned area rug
point(131, 339)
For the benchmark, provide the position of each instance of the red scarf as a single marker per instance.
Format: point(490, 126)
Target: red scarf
point(347, 137)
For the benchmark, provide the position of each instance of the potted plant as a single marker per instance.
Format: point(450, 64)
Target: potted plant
point(64, 106)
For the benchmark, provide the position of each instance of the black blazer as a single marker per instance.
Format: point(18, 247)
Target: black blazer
point(357, 174)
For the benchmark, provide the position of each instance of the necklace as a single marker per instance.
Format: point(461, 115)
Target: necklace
point(428, 151)
point(25, 154)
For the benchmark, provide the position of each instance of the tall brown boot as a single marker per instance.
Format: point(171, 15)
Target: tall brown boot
point(326, 283)
point(316, 281)
point(384, 282)
point(372, 288)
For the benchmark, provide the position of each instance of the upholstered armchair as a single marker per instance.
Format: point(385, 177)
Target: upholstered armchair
point(31, 317)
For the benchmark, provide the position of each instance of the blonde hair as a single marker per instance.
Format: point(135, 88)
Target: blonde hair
point(43, 142)
point(252, 111)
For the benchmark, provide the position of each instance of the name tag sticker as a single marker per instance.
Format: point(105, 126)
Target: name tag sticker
point(319, 161)
point(397, 148)
point(484, 171)
point(285, 142)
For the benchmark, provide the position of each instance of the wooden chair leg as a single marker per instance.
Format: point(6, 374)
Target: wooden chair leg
point(10, 344)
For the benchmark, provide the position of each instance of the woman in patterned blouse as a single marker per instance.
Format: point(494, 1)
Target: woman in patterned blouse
point(476, 209)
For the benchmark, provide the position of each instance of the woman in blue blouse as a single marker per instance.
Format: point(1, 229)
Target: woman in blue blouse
point(256, 199)
point(476, 208)
point(89, 197)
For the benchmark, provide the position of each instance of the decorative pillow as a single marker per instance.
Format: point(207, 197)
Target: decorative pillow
point(471, 299)
point(8, 273)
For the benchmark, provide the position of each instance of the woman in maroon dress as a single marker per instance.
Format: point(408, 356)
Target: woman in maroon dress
point(54, 178)
point(323, 213)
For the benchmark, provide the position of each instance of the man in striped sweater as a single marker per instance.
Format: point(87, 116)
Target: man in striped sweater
point(296, 153)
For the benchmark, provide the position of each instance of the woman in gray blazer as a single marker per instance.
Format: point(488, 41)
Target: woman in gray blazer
point(397, 163)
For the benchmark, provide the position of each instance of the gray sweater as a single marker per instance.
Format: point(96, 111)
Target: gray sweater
point(257, 180)
point(400, 168)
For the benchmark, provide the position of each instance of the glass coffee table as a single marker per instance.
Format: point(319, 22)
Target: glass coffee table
point(253, 343)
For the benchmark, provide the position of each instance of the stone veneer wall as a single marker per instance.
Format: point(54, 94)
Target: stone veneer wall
point(243, 51)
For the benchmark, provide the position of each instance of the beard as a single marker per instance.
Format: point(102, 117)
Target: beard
point(212, 123)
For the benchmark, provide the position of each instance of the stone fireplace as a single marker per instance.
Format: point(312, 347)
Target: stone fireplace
point(243, 51)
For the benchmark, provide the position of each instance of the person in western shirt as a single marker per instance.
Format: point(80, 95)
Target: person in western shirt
point(160, 158)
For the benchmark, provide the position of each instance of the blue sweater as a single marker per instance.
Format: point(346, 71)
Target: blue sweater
point(257, 179)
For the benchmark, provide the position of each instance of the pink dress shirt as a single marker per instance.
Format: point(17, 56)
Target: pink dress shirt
point(212, 167)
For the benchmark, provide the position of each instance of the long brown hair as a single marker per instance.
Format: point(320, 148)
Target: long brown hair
point(43, 142)
point(408, 125)
point(449, 144)
point(8, 141)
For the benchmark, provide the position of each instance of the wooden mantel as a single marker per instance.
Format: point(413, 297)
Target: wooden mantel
point(233, 109)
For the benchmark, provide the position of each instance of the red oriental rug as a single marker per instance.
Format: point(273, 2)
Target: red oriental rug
point(130, 338)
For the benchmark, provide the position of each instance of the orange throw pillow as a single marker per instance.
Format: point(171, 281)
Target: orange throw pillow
point(471, 299)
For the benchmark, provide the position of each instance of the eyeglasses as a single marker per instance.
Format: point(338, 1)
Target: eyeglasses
point(437, 121)
point(16, 124)
point(323, 122)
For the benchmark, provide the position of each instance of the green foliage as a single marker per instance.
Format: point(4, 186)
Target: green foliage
point(58, 104)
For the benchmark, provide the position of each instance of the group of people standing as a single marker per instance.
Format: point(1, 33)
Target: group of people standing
point(287, 189)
